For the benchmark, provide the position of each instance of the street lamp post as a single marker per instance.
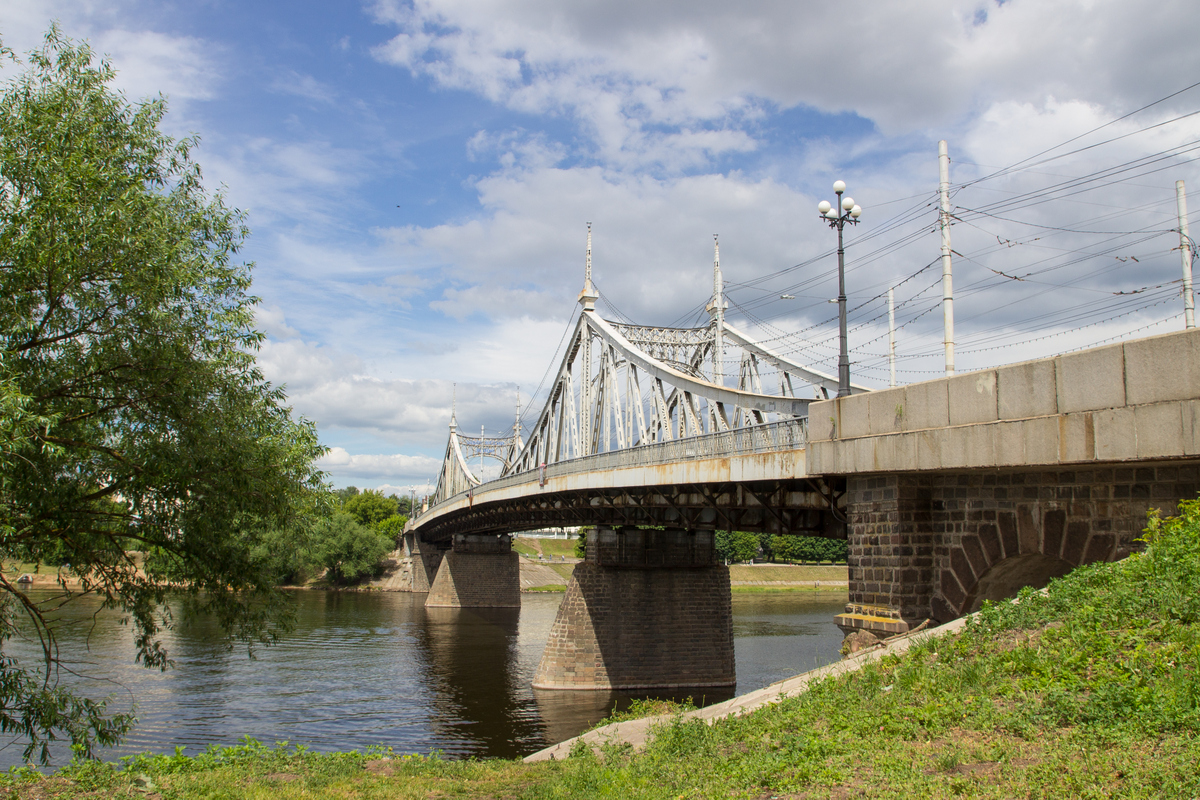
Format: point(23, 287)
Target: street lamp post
point(837, 216)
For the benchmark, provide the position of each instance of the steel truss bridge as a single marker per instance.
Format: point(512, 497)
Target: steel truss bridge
point(694, 428)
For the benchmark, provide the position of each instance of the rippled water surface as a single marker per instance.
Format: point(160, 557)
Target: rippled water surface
point(381, 669)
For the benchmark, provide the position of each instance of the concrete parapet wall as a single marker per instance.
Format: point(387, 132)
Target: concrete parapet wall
point(1125, 402)
point(477, 580)
point(641, 629)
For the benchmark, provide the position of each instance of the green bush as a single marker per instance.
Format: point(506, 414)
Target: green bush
point(581, 543)
point(370, 507)
point(809, 548)
point(392, 528)
point(736, 546)
point(349, 551)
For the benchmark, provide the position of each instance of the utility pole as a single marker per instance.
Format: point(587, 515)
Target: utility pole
point(1185, 247)
point(892, 334)
point(947, 279)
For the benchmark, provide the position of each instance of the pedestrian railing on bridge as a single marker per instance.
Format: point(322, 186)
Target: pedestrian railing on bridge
point(774, 437)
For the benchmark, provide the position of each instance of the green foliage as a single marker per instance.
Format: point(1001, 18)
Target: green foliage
point(736, 546)
point(369, 507)
point(581, 543)
point(132, 415)
point(809, 548)
point(343, 495)
point(292, 554)
point(349, 551)
point(392, 528)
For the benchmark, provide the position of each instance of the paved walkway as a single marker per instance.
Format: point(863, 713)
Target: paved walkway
point(636, 732)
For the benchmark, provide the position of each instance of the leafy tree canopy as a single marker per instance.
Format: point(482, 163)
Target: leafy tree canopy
point(132, 416)
point(392, 528)
point(736, 546)
point(349, 550)
point(370, 507)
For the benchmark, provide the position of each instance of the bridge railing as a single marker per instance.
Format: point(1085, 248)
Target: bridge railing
point(790, 434)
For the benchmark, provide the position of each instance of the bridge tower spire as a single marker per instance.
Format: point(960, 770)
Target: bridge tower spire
point(716, 309)
point(517, 427)
point(453, 407)
point(589, 295)
point(587, 298)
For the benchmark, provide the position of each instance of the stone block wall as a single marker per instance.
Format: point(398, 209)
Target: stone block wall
point(641, 629)
point(935, 545)
point(476, 580)
point(423, 566)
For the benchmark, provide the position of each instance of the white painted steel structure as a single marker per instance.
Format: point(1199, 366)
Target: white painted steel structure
point(628, 389)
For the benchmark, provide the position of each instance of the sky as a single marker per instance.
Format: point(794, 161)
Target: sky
point(419, 177)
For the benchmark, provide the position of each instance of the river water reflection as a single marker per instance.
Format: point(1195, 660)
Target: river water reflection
point(380, 669)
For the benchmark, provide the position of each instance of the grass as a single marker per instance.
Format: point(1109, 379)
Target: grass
point(780, 572)
point(548, 547)
point(549, 587)
point(1091, 689)
point(830, 590)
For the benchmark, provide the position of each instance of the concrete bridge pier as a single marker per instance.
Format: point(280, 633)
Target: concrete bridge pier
point(421, 561)
point(477, 572)
point(647, 609)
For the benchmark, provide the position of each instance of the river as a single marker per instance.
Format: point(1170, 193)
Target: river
point(365, 669)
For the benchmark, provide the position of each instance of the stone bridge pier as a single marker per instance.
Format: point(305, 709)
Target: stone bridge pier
point(965, 489)
point(936, 546)
point(647, 609)
point(477, 572)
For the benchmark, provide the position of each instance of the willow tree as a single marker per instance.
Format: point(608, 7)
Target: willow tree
point(132, 416)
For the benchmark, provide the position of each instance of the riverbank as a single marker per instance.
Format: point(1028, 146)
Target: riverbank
point(1090, 689)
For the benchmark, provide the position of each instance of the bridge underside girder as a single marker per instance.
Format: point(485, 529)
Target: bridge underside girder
point(808, 507)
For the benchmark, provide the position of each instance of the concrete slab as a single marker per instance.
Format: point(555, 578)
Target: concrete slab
point(1190, 413)
point(953, 446)
point(1159, 430)
point(1041, 440)
point(979, 445)
point(822, 421)
point(1116, 434)
point(925, 406)
point(1163, 368)
point(929, 449)
point(885, 410)
point(1076, 438)
point(1009, 443)
point(972, 398)
point(1091, 380)
point(852, 416)
point(1026, 390)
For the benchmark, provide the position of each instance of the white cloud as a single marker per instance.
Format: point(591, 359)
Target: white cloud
point(652, 252)
point(148, 62)
point(341, 464)
point(305, 182)
point(270, 320)
point(640, 77)
point(306, 86)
